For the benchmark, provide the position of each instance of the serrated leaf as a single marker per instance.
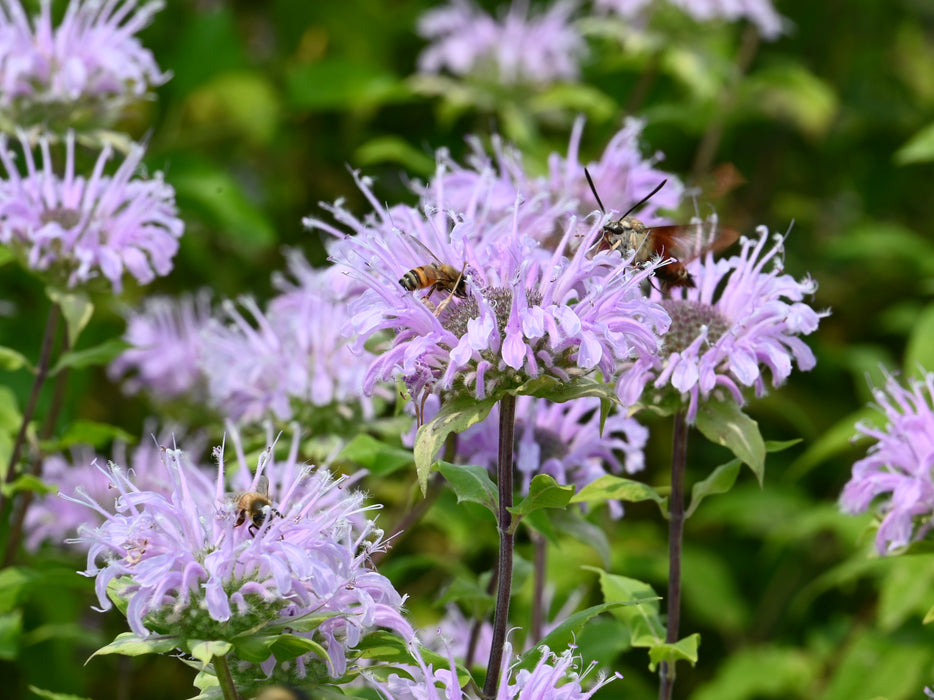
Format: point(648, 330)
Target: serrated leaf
point(205, 651)
point(918, 149)
point(50, 695)
point(13, 360)
point(682, 650)
point(77, 310)
point(544, 492)
point(615, 488)
point(91, 357)
point(129, 644)
point(454, 417)
point(723, 423)
point(27, 482)
point(720, 480)
point(471, 483)
point(374, 455)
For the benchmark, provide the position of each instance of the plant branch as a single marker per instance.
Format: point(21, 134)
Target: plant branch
point(222, 669)
point(675, 538)
point(507, 427)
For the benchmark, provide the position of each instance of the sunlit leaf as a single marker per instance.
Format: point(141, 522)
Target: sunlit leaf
point(544, 492)
point(76, 309)
point(12, 360)
point(128, 644)
point(682, 650)
point(724, 423)
point(454, 417)
point(50, 695)
point(205, 651)
point(918, 149)
point(375, 455)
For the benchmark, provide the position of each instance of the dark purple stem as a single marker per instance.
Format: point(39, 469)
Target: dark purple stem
point(507, 426)
point(675, 537)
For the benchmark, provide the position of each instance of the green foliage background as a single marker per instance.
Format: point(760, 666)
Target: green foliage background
point(831, 126)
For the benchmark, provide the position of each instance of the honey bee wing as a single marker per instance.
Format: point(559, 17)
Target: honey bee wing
point(262, 485)
point(421, 248)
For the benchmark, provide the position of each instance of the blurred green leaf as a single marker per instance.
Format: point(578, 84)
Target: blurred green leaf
point(128, 644)
point(920, 350)
point(76, 309)
point(454, 417)
point(906, 590)
point(15, 582)
point(12, 360)
point(572, 523)
point(544, 492)
point(90, 357)
point(375, 455)
point(576, 98)
point(11, 632)
point(471, 483)
point(27, 482)
point(50, 695)
point(837, 439)
point(339, 83)
point(724, 423)
point(223, 202)
point(918, 149)
point(6, 255)
point(791, 671)
point(86, 432)
point(790, 92)
point(393, 149)
point(242, 103)
point(899, 669)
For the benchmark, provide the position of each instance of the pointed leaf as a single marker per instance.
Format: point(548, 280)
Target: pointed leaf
point(641, 613)
point(471, 483)
point(291, 646)
point(682, 650)
point(553, 389)
point(723, 423)
point(205, 651)
point(76, 309)
point(616, 488)
point(13, 360)
point(564, 634)
point(50, 695)
point(11, 632)
point(544, 492)
point(27, 482)
point(919, 149)
point(255, 648)
point(91, 357)
point(454, 417)
point(128, 644)
point(720, 480)
point(375, 455)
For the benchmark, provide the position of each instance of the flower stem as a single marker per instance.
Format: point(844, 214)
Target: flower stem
point(675, 537)
point(222, 669)
point(507, 427)
point(42, 372)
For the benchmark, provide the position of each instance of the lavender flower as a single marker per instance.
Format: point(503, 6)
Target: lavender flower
point(562, 440)
point(76, 228)
point(91, 64)
point(518, 49)
point(52, 518)
point(165, 352)
point(291, 355)
point(899, 464)
point(739, 318)
point(554, 677)
point(760, 12)
point(528, 312)
point(186, 568)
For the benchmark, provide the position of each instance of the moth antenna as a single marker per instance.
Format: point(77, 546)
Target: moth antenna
point(643, 200)
point(594, 190)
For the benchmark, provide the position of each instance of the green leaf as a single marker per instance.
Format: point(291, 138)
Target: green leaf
point(205, 651)
point(682, 650)
point(11, 632)
point(544, 492)
point(50, 695)
point(27, 482)
point(291, 646)
point(720, 480)
point(91, 357)
point(928, 616)
point(564, 634)
point(572, 523)
point(374, 455)
point(616, 488)
point(471, 483)
point(254, 648)
point(918, 149)
point(128, 644)
point(393, 149)
point(723, 423)
point(13, 360)
point(454, 417)
point(86, 432)
point(387, 648)
point(791, 93)
point(641, 608)
point(553, 389)
point(338, 83)
point(791, 672)
point(76, 309)
point(305, 623)
point(919, 354)
point(6, 255)
point(15, 582)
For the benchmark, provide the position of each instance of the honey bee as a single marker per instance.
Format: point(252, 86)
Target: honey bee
point(255, 506)
point(678, 244)
point(435, 276)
